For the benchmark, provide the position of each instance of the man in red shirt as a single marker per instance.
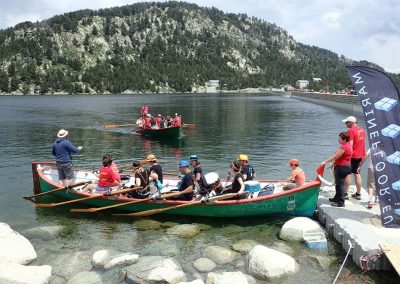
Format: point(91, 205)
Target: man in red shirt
point(147, 121)
point(357, 140)
point(176, 121)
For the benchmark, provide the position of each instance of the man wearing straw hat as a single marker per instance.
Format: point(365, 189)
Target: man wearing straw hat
point(63, 150)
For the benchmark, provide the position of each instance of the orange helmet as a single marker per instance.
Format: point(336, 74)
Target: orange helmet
point(294, 162)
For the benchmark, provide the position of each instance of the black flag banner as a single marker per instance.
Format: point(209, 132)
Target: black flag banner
point(379, 98)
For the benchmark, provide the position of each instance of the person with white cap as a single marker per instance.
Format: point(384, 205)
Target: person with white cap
point(158, 120)
point(63, 150)
point(357, 140)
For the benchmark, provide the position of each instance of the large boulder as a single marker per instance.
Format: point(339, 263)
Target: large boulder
point(155, 269)
point(220, 255)
point(294, 229)
point(229, 278)
point(265, 263)
point(122, 260)
point(197, 281)
point(14, 273)
point(86, 277)
point(15, 247)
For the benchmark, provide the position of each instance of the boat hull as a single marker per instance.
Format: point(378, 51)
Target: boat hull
point(296, 202)
point(169, 132)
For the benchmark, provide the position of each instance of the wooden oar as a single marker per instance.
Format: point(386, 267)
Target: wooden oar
point(96, 209)
point(189, 125)
point(57, 189)
point(94, 196)
point(156, 211)
point(108, 126)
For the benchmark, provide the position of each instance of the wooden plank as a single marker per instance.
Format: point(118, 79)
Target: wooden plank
point(392, 252)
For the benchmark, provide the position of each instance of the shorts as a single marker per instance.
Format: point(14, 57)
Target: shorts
point(355, 164)
point(65, 170)
point(102, 189)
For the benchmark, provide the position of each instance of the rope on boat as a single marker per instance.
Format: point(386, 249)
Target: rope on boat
point(344, 261)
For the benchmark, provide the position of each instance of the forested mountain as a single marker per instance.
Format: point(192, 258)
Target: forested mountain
point(158, 47)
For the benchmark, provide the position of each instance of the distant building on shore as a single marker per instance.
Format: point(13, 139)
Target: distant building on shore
point(317, 79)
point(300, 84)
point(212, 86)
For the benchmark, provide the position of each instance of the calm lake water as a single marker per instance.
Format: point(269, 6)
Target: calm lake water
point(270, 129)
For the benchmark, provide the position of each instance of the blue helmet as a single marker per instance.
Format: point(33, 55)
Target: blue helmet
point(183, 163)
point(193, 158)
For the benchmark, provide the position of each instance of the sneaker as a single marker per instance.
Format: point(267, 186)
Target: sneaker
point(332, 199)
point(376, 199)
point(346, 196)
point(370, 203)
point(356, 196)
point(335, 204)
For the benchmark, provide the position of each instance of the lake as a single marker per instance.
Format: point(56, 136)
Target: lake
point(270, 129)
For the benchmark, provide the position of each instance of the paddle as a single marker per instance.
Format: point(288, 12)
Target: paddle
point(94, 196)
point(95, 209)
point(108, 126)
point(189, 125)
point(57, 189)
point(156, 211)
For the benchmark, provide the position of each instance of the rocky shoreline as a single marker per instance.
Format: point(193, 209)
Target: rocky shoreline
point(259, 262)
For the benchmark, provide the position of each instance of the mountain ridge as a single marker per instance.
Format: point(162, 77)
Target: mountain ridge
point(157, 48)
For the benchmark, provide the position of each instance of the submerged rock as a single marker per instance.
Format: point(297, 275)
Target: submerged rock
point(204, 264)
point(14, 273)
point(147, 224)
point(45, 232)
point(244, 246)
point(15, 247)
point(265, 263)
point(229, 278)
point(220, 255)
point(155, 269)
point(184, 230)
point(294, 229)
point(86, 277)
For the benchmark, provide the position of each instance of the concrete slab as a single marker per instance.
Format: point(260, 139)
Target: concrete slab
point(360, 226)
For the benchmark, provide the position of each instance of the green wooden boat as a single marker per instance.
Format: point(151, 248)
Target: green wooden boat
point(161, 133)
point(300, 201)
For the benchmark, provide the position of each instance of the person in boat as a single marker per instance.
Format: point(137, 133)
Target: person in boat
point(176, 121)
point(167, 122)
point(247, 170)
point(144, 110)
point(142, 179)
point(198, 176)
point(158, 120)
point(187, 182)
point(297, 177)
point(147, 121)
point(237, 185)
point(156, 172)
point(341, 160)
point(107, 178)
point(113, 166)
point(162, 122)
point(62, 150)
point(153, 122)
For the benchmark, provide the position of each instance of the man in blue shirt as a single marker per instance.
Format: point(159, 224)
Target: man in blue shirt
point(62, 150)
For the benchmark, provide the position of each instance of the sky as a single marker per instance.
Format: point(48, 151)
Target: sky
point(358, 29)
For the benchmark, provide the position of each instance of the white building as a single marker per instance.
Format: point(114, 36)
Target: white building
point(300, 84)
point(212, 86)
point(317, 79)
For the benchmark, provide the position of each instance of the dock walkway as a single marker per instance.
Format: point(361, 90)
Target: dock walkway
point(361, 226)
